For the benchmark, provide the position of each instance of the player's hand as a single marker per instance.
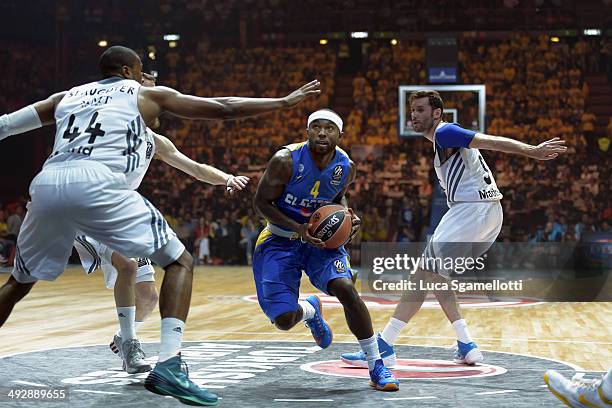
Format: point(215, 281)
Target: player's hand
point(306, 237)
point(148, 79)
point(549, 149)
point(235, 184)
point(356, 221)
point(297, 96)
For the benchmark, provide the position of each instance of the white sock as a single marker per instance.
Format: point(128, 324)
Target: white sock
point(463, 335)
point(307, 309)
point(392, 330)
point(171, 335)
point(370, 349)
point(606, 385)
point(137, 325)
point(126, 322)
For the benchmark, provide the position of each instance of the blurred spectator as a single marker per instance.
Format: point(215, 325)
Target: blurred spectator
point(14, 221)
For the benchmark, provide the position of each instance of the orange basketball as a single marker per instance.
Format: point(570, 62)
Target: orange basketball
point(331, 224)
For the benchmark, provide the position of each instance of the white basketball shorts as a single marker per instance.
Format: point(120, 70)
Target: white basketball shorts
point(94, 254)
point(467, 230)
point(86, 197)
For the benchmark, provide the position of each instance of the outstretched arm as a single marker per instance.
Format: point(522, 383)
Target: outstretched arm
point(547, 150)
point(31, 117)
point(167, 152)
point(160, 99)
point(452, 136)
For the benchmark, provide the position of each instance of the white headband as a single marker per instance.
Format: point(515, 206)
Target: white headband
point(325, 114)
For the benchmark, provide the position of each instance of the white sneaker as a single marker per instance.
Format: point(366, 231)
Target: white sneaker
point(577, 392)
point(467, 353)
point(133, 357)
point(115, 346)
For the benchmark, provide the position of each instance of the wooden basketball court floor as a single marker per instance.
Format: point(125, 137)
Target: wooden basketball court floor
point(77, 310)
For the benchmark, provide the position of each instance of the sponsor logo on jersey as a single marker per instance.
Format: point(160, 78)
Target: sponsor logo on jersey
point(337, 176)
point(484, 194)
point(300, 171)
point(85, 150)
point(305, 203)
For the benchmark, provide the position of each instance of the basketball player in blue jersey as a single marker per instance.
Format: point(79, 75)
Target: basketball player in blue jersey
point(470, 226)
point(299, 179)
point(82, 189)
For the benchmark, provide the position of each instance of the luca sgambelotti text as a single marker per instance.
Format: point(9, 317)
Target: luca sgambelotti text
point(460, 265)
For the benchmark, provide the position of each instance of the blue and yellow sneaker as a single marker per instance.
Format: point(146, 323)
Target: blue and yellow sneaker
point(382, 379)
point(358, 359)
point(467, 353)
point(168, 378)
point(319, 328)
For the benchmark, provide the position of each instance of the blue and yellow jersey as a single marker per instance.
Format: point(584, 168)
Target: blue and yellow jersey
point(309, 187)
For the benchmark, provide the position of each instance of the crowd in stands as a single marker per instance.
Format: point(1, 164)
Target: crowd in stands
point(11, 218)
point(23, 78)
point(535, 91)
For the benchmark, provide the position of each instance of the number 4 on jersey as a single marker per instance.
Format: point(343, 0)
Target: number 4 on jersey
point(315, 189)
point(93, 129)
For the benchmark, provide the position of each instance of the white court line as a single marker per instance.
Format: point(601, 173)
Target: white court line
point(302, 400)
point(30, 383)
point(408, 398)
point(450, 338)
point(495, 392)
point(98, 392)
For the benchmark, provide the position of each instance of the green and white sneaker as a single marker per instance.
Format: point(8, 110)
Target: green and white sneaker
point(168, 378)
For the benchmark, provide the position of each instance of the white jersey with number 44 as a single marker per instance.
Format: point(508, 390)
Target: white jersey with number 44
point(100, 121)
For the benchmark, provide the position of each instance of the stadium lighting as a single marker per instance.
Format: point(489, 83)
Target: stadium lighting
point(394, 41)
point(554, 39)
point(172, 44)
point(323, 41)
point(172, 37)
point(152, 55)
point(102, 43)
point(359, 34)
point(592, 31)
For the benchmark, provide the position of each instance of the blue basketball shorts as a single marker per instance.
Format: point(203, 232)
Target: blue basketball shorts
point(278, 264)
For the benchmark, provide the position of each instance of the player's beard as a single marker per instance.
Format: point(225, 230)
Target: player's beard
point(429, 125)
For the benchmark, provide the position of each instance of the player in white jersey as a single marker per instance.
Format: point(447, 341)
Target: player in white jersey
point(470, 226)
point(133, 279)
point(83, 188)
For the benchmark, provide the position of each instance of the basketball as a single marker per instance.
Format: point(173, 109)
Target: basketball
point(331, 224)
